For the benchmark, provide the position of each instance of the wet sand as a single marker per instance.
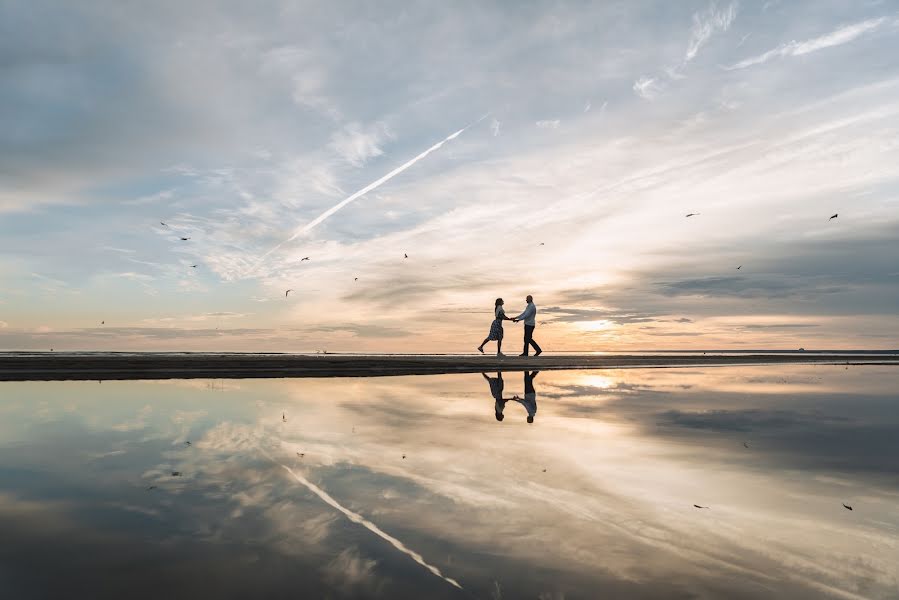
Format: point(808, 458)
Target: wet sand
point(49, 366)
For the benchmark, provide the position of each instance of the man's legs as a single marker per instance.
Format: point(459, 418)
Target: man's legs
point(529, 339)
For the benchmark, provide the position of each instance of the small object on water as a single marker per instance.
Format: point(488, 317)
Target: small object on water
point(832, 218)
point(847, 507)
point(152, 487)
point(184, 239)
point(697, 506)
point(176, 473)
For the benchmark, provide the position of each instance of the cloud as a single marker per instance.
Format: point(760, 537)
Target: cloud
point(647, 87)
point(705, 24)
point(357, 145)
point(838, 37)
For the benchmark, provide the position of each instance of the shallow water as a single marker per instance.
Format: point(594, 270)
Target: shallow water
point(595, 498)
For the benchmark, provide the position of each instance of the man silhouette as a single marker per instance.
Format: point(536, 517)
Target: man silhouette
point(529, 316)
point(530, 395)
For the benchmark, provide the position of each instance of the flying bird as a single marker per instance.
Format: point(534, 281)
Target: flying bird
point(188, 442)
point(745, 445)
point(301, 454)
point(176, 473)
point(102, 322)
point(304, 258)
point(542, 244)
point(284, 417)
point(847, 507)
point(287, 292)
point(544, 470)
point(405, 255)
point(163, 224)
point(693, 215)
point(184, 239)
point(697, 506)
point(404, 457)
point(740, 267)
point(355, 279)
point(152, 487)
point(193, 266)
point(834, 217)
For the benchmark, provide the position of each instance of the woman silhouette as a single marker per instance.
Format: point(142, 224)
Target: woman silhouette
point(496, 328)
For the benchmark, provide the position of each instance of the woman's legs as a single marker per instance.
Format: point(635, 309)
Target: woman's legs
point(481, 347)
point(499, 347)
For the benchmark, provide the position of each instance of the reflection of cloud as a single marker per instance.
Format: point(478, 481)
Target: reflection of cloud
point(356, 518)
point(349, 572)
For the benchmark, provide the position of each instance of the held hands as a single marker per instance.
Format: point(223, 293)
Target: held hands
point(515, 320)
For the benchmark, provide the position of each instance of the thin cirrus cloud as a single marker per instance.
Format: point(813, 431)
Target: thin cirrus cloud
point(706, 23)
point(837, 37)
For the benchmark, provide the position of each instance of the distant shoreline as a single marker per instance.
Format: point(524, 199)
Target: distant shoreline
point(60, 366)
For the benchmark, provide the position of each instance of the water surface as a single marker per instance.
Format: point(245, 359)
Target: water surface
point(412, 487)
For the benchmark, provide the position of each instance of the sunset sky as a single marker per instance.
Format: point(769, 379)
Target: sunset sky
point(588, 132)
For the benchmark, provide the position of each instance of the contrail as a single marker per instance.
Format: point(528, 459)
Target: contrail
point(373, 185)
point(356, 518)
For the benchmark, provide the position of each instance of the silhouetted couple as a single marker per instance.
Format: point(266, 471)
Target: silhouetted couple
point(529, 316)
point(530, 395)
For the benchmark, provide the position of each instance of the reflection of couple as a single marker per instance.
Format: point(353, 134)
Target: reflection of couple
point(529, 316)
point(530, 395)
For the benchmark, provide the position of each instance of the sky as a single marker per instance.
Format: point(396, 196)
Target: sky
point(508, 149)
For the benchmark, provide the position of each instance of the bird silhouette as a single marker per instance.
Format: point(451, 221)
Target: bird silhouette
point(301, 454)
point(692, 215)
point(405, 255)
point(834, 217)
point(176, 473)
point(697, 506)
point(542, 244)
point(847, 507)
point(355, 279)
point(740, 267)
point(184, 239)
point(193, 266)
point(102, 322)
point(163, 224)
point(304, 258)
point(152, 487)
point(284, 417)
point(544, 470)
point(188, 443)
point(287, 292)
point(404, 457)
point(745, 445)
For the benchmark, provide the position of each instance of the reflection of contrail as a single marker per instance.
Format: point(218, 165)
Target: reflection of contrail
point(355, 196)
point(355, 518)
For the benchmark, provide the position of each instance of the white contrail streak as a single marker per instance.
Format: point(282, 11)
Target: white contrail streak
point(371, 186)
point(356, 518)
